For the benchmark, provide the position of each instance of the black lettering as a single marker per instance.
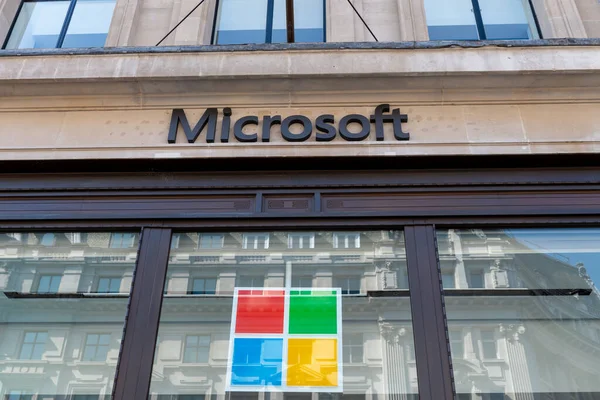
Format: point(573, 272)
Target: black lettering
point(398, 120)
point(296, 119)
point(225, 125)
point(268, 123)
point(355, 118)
point(378, 118)
point(209, 117)
point(239, 126)
point(327, 131)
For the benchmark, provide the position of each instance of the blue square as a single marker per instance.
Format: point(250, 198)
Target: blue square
point(257, 362)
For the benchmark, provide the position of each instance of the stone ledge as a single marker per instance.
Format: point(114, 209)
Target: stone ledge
point(469, 44)
point(301, 63)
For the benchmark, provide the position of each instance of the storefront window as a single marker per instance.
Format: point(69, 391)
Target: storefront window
point(524, 313)
point(60, 332)
point(294, 315)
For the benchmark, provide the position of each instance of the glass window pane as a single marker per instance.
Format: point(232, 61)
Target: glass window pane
point(375, 336)
point(241, 21)
point(308, 21)
point(38, 25)
point(46, 337)
point(451, 20)
point(505, 19)
point(89, 24)
point(531, 330)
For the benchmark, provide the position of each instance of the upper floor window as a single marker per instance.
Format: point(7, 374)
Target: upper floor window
point(480, 20)
point(264, 21)
point(59, 23)
point(109, 285)
point(196, 349)
point(19, 395)
point(256, 241)
point(211, 241)
point(353, 349)
point(48, 284)
point(34, 344)
point(96, 347)
point(301, 241)
point(203, 286)
point(346, 240)
point(348, 284)
point(122, 240)
point(477, 279)
point(489, 349)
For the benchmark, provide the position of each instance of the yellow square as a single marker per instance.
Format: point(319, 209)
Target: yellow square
point(312, 362)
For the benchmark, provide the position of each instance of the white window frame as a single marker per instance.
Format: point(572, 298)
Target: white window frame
point(212, 236)
point(253, 239)
point(300, 238)
point(345, 240)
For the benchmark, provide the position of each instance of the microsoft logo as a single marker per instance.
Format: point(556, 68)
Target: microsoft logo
point(286, 340)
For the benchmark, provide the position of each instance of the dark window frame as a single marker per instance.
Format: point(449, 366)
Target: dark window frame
point(269, 23)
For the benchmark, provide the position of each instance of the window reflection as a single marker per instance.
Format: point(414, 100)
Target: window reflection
point(377, 349)
point(523, 312)
point(59, 333)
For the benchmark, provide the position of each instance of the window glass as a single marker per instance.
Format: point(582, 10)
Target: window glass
point(525, 312)
point(49, 284)
point(57, 333)
point(248, 352)
point(308, 21)
point(242, 21)
point(109, 285)
point(38, 25)
point(89, 24)
point(450, 20)
point(505, 19)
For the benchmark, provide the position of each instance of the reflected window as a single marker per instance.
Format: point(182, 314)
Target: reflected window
point(34, 345)
point(301, 241)
point(457, 344)
point(48, 284)
point(250, 281)
point(302, 281)
point(109, 285)
point(19, 395)
point(264, 21)
point(353, 349)
point(532, 324)
point(346, 241)
point(96, 347)
point(203, 286)
point(58, 23)
point(196, 349)
point(448, 281)
point(500, 20)
point(256, 241)
point(489, 349)
point(48, 239)
point(348, 284)
point(266, 337)
point(211, 241)
point(62, 330)
point(122, 240)
point(175, 240)
point(476, 279)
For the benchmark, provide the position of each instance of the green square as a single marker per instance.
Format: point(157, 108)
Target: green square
point(313, 313)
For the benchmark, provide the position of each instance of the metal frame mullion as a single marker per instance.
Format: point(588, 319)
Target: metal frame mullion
point(434, 371)
point(270, 16)
point(479, 20)
point(65, 27)
point(134, 371)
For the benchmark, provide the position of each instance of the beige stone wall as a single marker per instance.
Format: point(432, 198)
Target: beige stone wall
point(589, 10)
point(435, 130)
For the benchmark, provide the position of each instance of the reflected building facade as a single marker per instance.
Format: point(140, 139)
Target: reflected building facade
point(523, 311)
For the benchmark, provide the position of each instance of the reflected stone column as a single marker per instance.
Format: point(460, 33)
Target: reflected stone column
point(394, 362)
point(517, 361)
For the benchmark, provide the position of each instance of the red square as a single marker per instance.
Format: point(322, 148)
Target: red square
point(260, 311)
